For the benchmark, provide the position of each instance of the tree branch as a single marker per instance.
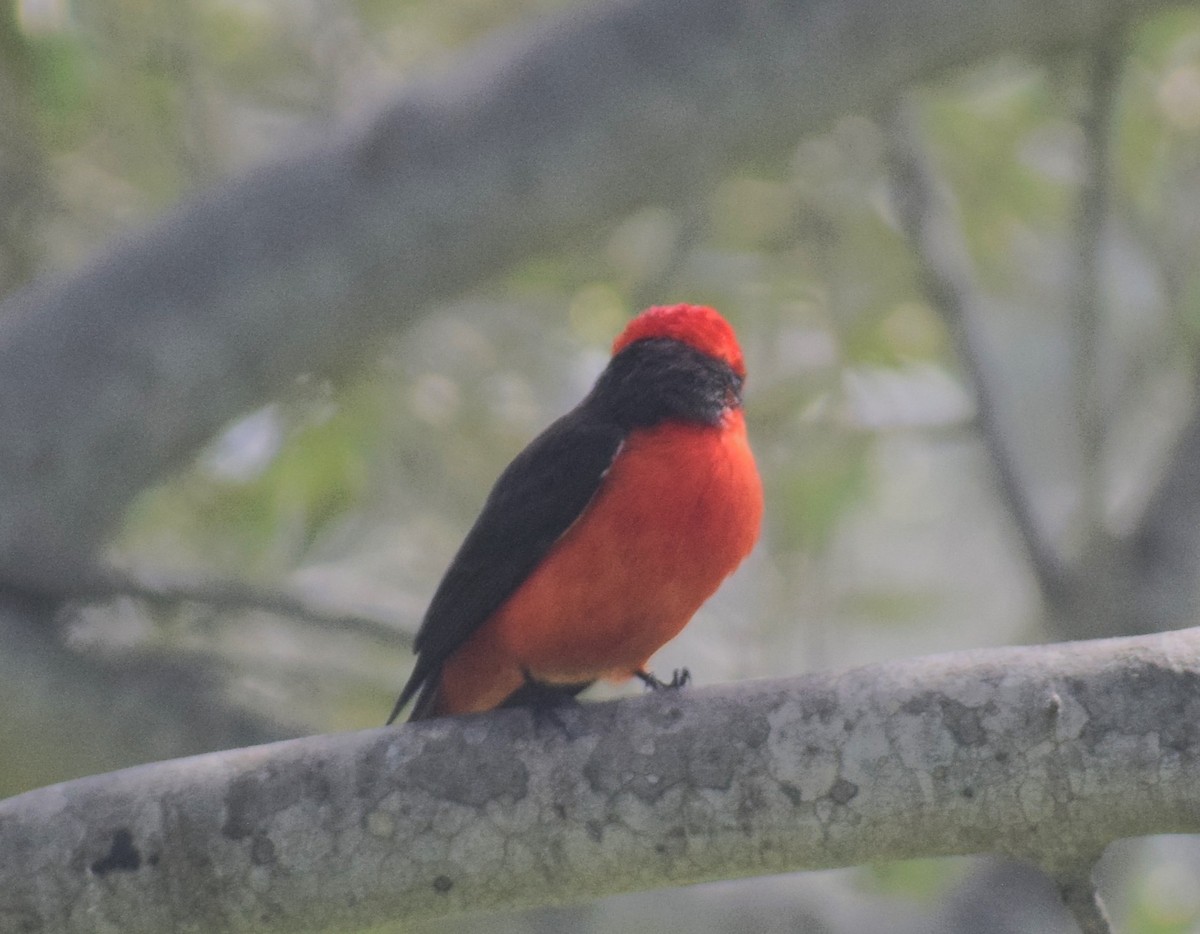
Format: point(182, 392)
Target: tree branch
point(945, 271)
point(1160, 556)
point(1104, 61)
point(1079, 894)
point(1045, 753)
point(229, 596)
point(114, 376)
point(1146, 577)
point(23, 160)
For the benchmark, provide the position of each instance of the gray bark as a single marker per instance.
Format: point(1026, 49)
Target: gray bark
point(1045, 753)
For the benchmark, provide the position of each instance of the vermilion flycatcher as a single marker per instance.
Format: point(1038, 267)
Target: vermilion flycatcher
point(605, 535)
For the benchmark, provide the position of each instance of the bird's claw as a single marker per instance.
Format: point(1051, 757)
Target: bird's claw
point(679, 678)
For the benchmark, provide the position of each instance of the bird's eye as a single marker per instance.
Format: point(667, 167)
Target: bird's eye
point(733, 393)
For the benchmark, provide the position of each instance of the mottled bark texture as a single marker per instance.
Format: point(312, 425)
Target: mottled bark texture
point(1042, 753)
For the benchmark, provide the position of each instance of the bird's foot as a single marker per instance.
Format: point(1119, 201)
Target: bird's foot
point(542, 696)
point(679, 678)
point(546, 702)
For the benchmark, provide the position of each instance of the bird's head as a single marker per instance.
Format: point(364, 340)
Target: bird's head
point(699, 327)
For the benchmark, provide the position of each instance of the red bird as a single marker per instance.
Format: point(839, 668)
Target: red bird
point(605, 535)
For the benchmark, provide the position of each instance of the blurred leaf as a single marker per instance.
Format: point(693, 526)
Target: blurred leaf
point(267, 519)
point(1164, 900)
point(922, 880)
point(892, 606)
point(812, 493)
point(64, 89)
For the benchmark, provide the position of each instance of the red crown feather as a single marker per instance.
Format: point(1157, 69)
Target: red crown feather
point(697, 326)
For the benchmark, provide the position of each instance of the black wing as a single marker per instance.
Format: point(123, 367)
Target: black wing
point(535, 500)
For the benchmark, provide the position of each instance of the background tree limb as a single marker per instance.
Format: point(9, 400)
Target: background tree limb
point(1044, 753)
point(939, 249)
point(238, 596)
point(299, 265)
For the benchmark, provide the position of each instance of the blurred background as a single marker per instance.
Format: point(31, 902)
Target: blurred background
point(971, 323)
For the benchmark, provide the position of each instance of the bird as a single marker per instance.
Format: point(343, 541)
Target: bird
point(603, 537)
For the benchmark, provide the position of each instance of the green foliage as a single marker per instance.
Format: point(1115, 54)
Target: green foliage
point(918, 879)
point(1163, 899)
point(260, 512)
point(1006, 144)
point(63, 87)
point(816, 488)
